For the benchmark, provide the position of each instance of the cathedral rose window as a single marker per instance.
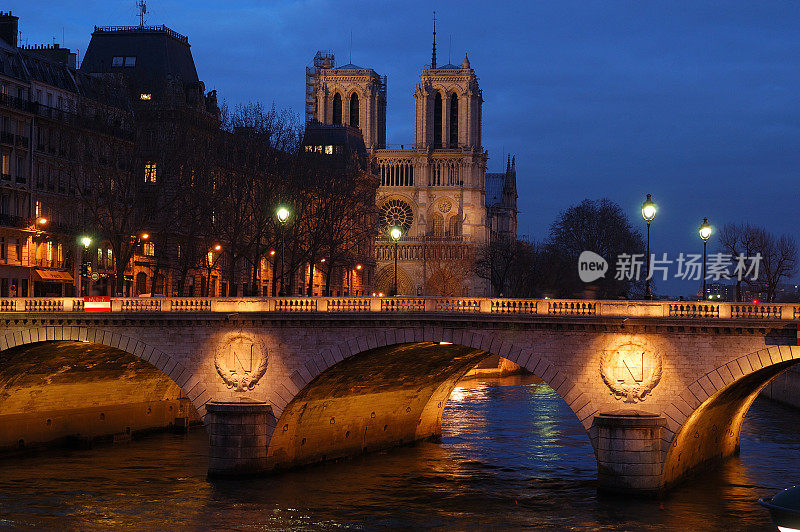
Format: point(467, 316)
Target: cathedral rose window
point(397, 213)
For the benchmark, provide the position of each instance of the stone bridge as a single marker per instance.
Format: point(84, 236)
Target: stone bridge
point(661, 388)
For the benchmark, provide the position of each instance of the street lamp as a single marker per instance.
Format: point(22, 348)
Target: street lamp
point(395, 233)
point(86, 241)
point(283, 215)
point(648, 213)
point(705, 233)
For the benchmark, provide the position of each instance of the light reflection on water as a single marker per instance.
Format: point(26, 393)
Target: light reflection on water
point(510, 456)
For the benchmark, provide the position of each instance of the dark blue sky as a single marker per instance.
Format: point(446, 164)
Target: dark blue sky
point(696, 103)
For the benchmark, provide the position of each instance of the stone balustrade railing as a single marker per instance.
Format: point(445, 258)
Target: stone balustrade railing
point(459, 305)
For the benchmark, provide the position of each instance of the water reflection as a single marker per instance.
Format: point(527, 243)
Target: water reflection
point(510, 456)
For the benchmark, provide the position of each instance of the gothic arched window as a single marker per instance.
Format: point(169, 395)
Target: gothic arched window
point(453, 121)
point(337, 109)
point(354, 110)
point(437, 121)
point(454, 226)
point(438, 225)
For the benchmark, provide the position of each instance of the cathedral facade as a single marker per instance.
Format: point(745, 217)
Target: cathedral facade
point(434, 191)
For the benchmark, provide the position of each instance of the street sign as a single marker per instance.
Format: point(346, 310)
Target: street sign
point(95, 276)
point(97, 304)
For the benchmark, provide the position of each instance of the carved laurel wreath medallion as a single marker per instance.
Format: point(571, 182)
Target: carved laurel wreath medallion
point(241, 362)
point(631, 371)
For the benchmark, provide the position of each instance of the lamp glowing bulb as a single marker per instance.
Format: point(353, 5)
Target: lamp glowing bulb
point(648, 209)
point(705, 230)
point(283, 214)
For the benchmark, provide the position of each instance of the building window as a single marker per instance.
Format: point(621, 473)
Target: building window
point(438, 225)
point(453, 121)
point(437, 121)
point(38, 208)
point(337, 109)
point(150, 172)
point(354, 114)
point(149, 249)
point(117, 61)
point(110, 256)
point(130, 61)
point(6, 164)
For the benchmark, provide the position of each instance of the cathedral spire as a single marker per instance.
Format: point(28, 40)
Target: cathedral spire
point(433, 55)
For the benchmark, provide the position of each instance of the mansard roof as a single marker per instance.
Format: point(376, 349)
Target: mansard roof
point(160, 54)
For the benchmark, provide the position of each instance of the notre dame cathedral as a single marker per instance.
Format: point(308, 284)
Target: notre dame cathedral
point(437, 190)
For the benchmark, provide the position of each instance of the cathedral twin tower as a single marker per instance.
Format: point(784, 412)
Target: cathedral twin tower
point(435, 191)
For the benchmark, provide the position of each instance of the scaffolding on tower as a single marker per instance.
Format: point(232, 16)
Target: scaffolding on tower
point(323, 59)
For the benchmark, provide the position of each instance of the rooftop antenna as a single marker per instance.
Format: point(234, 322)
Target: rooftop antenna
point(142, 7)
point(433, 55)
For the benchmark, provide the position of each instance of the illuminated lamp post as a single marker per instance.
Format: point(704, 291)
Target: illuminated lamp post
point(395, 233)
point(648, 213)
point(283, 216)
point(705, 234)
point(84, 288)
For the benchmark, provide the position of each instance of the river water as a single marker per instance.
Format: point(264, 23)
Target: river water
point(512, 455)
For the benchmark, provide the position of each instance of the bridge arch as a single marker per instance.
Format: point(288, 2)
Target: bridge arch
point(184, 378)
point(309, 384)
point(705, 420)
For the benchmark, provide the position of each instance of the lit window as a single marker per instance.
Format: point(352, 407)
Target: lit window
point(328, 150)
point(150, 172)
point(99, 255)
point(210, 258)
point(149, 249)
point(145, 96)
point(130, 61)
point(117, 61)
point(38, 209)
point(109, 255)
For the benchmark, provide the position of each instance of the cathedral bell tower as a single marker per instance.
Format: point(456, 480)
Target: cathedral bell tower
point(347, 95)
point(448, 104)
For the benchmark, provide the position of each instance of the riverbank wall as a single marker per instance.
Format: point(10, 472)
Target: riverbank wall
point(785, 388)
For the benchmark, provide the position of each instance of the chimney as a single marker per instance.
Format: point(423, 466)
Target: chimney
point(9, 28)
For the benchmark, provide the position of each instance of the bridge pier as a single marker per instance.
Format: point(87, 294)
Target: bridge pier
point(238, 433)
point(629, 457)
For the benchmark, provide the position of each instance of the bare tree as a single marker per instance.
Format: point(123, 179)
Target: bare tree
point(779, 256)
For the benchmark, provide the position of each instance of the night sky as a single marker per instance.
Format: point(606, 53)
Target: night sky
point(694, 102)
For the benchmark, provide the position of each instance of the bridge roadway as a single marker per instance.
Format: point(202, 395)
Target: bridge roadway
point(660, 387)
